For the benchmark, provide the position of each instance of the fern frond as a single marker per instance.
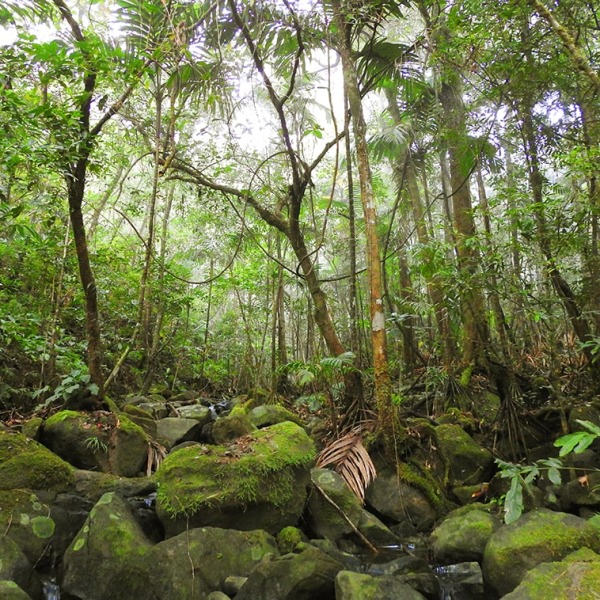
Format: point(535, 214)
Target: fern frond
point(351, 460)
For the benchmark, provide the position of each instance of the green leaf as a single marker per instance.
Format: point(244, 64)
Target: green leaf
point(554, 476)
point(567, 443)
point(513, 503)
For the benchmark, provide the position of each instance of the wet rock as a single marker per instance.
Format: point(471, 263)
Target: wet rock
point(537, 537)
point(461, 581)
point(229, 428)
point(360, 586)
point(15, 567)
point(198, 561)
point(308, 575)
point(199, 413)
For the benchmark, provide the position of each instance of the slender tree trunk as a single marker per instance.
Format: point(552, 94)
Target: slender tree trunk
point(383, 385)
point(477, 339)
point(561, 286)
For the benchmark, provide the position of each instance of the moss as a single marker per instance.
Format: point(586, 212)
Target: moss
point(240, 409)
point(128, 426)
point(423, 481)
point(25, 463)
point(63, 415)
point(256, 467)
point(136, 411)
point(289, 539)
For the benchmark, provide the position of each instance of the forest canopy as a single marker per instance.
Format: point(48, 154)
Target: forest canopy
point(335, 200)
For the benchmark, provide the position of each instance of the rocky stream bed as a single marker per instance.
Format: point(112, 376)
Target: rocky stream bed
point(188, 498)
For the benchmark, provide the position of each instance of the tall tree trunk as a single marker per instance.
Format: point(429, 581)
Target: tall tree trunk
point(383, 384)
point(561, 286)
point(476, 336)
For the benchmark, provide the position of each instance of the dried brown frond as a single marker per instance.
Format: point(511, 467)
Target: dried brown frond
point(351, 460)
point(156, 454)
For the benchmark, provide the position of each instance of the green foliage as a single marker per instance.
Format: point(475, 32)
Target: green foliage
point(522, 476)
point(78, 380)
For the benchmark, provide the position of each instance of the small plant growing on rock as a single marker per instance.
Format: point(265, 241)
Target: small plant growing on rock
point(95, 444)
point(522, 476)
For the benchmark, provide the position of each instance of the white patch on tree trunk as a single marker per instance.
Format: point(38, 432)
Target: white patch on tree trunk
point(378, 321)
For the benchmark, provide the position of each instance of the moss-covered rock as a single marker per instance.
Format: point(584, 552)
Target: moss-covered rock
point(324, 519)
point(405, 496)
point(111, 547)
point(234, 425)
point(15, 567)
point(290, 538)
point(537, 537)
point(197, 562)
point(577, 576)
point(258, 481)
point(9, 590)
point(309, 574)
point(26, 520)
point(269, 414)
point(99, 441)
point(25, 463)
point(360, 586)
point(467, 463)
point(463, 537)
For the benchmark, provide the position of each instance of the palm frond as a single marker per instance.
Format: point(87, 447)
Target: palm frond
point(351, 460)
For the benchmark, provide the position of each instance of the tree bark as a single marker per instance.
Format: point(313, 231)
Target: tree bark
point(383, 385)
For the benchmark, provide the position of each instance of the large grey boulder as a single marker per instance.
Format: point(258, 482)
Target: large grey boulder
point(400, 502)
point(462, 536)
point(538, 536)
point(175, 430)
point(197, 562)
point(466, 461)
point(360, 586)
point(258, 481)
point(111, 547)
point(308, 575)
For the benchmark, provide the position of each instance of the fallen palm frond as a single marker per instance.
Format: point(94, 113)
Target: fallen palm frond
point(350, 459)
point(156, 454)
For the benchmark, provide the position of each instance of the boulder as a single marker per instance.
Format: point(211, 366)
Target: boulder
point(198, 561)
point(269, 414)
point(576, 576)
point(360, 586)
point(15, 567)
point(537, 537)
point(462, 536)
point(229, 428)
point(26, 520)
point(156, 406)
point(400, 502)
point(27, 464)
point(199, 413)
point(175, 430)
point(99, 441)
point(467, 462)
point(111, 547)
point(257, 482)
point(308, 575)
point(324, 519)
point(9, 590)
point(92, 485)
